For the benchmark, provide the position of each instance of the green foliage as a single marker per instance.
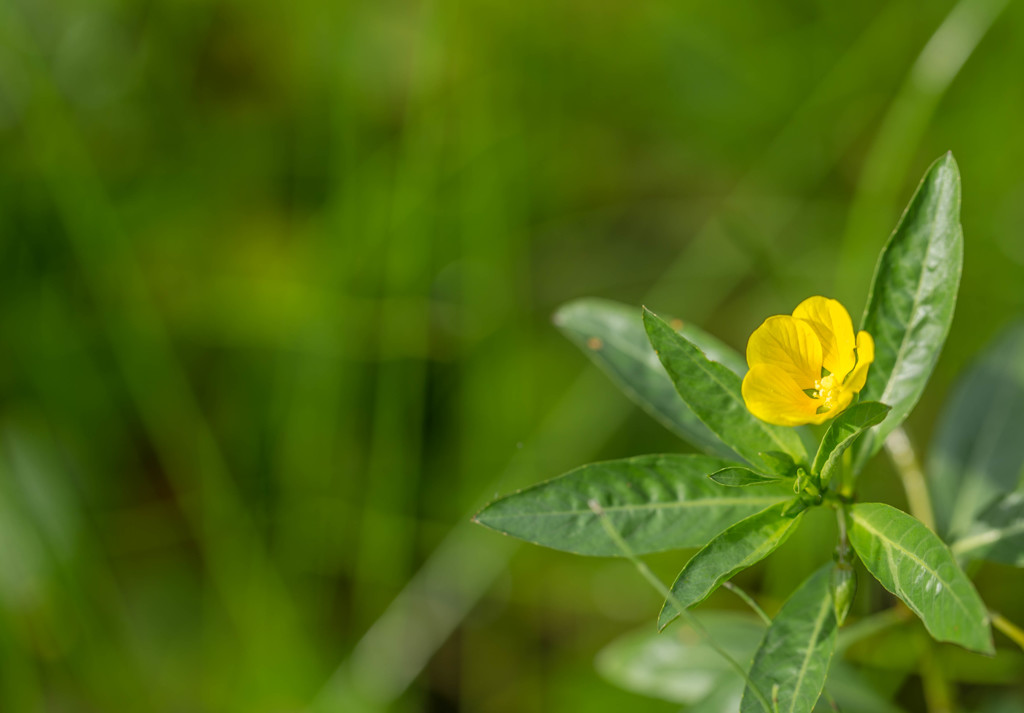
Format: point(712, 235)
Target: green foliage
point(913, 294)
point(913, 563)
point(713, 393)
point(614, 339)
point(793, 659)
point(656, 502)
point(747, 542)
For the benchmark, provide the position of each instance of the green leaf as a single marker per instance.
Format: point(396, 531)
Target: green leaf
point(977, 453)
point(747, 542)
point(713, 393)
point(679, 665)
point(841, 434)
point(657, 502)
point(997, 534)
point(737, 476)
point(612, 335)
point(913, 294)
point(914, 564)
point(797, 649)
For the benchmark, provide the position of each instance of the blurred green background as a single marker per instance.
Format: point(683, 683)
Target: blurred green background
point(275, 293)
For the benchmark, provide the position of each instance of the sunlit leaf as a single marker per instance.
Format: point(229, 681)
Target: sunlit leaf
point(915, 565)
point(747, 542)
point(794, 657)
point(657, 502)
point(913, 294)
point(713, 393)
point(842, 433)
point(613, 336)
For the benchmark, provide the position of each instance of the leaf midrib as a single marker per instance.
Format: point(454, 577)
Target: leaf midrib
point(712, 502)
point(818, 624)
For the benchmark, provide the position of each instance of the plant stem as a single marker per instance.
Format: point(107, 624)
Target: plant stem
point(1014, 632)
point(664, 591)
point(738, 591)
point(903, 457)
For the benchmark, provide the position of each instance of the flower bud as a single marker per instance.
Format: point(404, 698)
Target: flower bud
point(843, 586)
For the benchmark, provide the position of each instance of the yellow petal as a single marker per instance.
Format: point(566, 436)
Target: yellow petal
point(865, 355)
point(772, 395)
point(788, 345)
point(831, 322)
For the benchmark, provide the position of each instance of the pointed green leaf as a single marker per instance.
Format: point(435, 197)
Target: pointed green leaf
point(797, 650)
point(612, 335)
point(914, 564)
point(913, 294)
point(977, 453)
point(845, 429)
point(997, 534)
point(747, 542)
point(657, 502)
point(737, 476)
point(713, 393)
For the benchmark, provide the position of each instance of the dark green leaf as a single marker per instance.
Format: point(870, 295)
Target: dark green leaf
point(914, 564)
point(797, 650)
point(713, 393)
point(997, 534)
point(977, 453)
point(747, 542)
point(841, 434)
point(613, 336)
point(913, 294)
point(737, 476)
point(657, 502)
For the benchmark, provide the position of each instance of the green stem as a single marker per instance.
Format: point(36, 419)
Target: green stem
point(738, 591)
point(664, 591)
point(903, 457)
point(1011, 630)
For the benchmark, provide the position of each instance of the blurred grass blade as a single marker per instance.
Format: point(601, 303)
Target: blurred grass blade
point(913, 563)
point(713, 393)
point(742, 545)
point(657, 502)
point(977, 453)
point(842, 433)
point(997, 535)
point(613, 336)
point(797, 649)
point(913, 294)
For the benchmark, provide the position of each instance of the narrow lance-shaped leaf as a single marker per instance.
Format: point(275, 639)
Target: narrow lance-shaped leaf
point(997, 535)
point(796, 651)
point(738, 477)
point(913, 294)
point(657, 502)
point(742, 545)
point(914, 564)
point(842, 433)
point(977, 453)
point(713, 393)
point(612, 335)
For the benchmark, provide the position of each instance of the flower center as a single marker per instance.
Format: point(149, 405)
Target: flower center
point(826, 389)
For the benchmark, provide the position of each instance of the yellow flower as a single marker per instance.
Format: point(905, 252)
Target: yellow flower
point(806, 368)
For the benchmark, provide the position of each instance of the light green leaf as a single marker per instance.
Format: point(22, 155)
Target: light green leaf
point(657, 502)
point(713, 393)
point(841, 434)
point(913, 294)
point(678, 665)
point(977, 453)
point(914, 564)
point(612, 335)
point(737, 476)
point(797, 649)
point(997, 534)
point(747, 542)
